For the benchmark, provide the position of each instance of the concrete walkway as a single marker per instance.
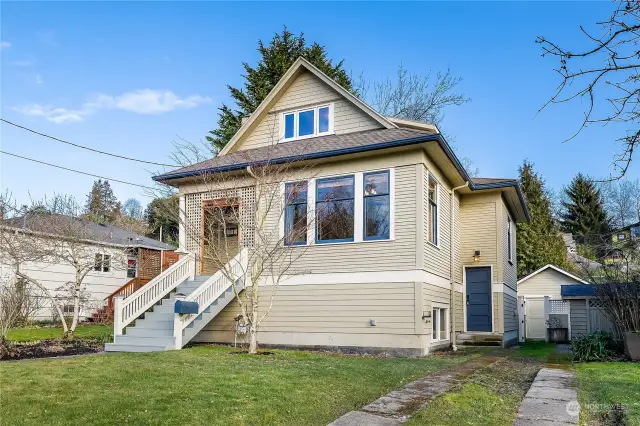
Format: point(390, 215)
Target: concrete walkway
point(396, 407)
point(552, 399)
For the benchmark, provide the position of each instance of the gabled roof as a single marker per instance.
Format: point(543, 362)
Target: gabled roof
point(279, 89)
point(91, 231)
point(555, 268)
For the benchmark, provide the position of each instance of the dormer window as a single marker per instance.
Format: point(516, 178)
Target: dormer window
point(307, 123)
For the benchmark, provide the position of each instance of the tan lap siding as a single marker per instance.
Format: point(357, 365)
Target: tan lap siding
point(546, 283)
point(375, 255)
point(498, 308)
point(308, 91)
point(328, 308)
point(436, 258)
point(478, 231)
point(510, 304)
point(458, 300)
point(509, 274)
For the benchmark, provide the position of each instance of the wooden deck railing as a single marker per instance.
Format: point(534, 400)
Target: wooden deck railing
point(125, 291)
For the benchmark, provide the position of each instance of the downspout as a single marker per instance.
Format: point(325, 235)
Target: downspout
point(452, 304)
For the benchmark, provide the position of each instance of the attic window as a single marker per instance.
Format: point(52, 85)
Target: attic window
point(307, 123)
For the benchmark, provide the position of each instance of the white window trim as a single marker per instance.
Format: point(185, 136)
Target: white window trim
point(433, 319)
point(358, 232)
point(102, 271)
point(431, 176)
point(510, 245)
point(316, 125)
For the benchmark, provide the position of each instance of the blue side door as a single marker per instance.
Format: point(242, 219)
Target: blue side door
point(478, 299)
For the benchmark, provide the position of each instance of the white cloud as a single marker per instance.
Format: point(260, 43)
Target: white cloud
point(145, 101)
point(22, 63)
point(5, 45)
point(39, 79)
point(55, 115)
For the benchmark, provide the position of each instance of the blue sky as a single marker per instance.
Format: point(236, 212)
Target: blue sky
point(130, 78)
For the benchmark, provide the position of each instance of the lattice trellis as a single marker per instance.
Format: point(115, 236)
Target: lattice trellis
point(594, 303)
point(193, 207)
point(558, 307)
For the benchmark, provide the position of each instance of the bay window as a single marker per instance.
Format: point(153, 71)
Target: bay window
point(376, 206)
point(295, 214)
point(335, 209)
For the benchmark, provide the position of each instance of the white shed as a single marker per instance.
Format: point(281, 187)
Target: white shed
point(545, 283)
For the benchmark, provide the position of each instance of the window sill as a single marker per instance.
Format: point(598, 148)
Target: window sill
point(307, 137)
point(336, 243)
point(434, 245)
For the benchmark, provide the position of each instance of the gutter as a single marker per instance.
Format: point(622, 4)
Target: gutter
point(515, 184)
point(452, 304)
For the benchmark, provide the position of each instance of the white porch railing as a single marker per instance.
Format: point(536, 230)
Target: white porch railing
point(210, 290)
point(127, 310)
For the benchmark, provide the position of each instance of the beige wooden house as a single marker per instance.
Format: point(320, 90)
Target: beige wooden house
point(424, 254)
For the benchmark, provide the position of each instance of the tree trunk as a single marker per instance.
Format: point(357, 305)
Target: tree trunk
point(50, 297)
point(253, 328)
point(76, 304)
point(253, 340)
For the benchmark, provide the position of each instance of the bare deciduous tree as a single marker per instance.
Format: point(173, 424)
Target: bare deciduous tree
point(605, 75)
point(622, 201)
point(248, 209)
point(61, 238)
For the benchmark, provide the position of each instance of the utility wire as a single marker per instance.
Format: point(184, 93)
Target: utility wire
point(76, 171)
point(86, 147)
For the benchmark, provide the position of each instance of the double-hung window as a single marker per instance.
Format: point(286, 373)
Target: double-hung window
point(307, 123)
point(335, 209)
point(439, 322)
point(376, 206)
point(102, 263)
point(295, 215)
point(433, 211)
point(509, 247)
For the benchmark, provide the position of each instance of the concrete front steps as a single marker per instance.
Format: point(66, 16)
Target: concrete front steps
point(154, 331)
point(479, 339)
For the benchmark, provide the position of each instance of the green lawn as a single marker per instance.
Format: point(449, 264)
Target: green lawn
point(492, 396)
point(202, 385)
point(26, 334)
point(603, 384)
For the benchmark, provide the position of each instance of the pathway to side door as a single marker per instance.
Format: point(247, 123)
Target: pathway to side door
point(395, 407)
point(552, 399)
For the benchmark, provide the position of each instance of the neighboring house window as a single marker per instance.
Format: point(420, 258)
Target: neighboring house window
point(295, 215)
point(433, 211)
point(335, 209)
point(376, 206)
point(308, 122)
point(102, 263)
point(132, 267)
point(509, 248)
point(68, 310)
point(439, 322)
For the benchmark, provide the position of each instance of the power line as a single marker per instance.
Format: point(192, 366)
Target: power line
point(85, 147)
point(75, 171)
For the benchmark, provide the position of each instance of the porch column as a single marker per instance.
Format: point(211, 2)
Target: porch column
point(182, 222)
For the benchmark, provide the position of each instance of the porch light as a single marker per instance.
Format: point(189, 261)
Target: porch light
point(476, 256)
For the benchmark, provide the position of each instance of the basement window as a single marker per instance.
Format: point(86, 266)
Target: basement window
point(307, 123)
point(439, 321)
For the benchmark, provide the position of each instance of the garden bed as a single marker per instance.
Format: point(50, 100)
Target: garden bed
point(48, 348)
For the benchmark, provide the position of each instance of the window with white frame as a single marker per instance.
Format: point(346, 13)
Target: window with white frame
point(306, 123)
point(439, 320)
point(509, 241)
point(433, 211)
point(377, 200)
point(295, 214)
point(335, 203)
point(102, 262)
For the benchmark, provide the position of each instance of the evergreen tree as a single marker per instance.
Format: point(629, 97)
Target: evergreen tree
point(163, 213)
point(276, 58)
point(539, 241)
point(102, 205)
point(583, 213)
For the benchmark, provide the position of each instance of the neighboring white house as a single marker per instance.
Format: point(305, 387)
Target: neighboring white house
point(532, 290)
point(117, 254)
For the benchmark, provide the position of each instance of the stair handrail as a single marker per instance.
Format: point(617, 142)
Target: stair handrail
point(128, 309)
point(210, 290)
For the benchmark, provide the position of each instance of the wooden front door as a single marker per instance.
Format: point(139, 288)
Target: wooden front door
point(220, 235)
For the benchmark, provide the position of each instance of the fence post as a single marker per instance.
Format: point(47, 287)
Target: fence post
point(117, 314)
point(547, 309)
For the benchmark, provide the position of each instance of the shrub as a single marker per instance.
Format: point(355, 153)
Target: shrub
point(598, 346)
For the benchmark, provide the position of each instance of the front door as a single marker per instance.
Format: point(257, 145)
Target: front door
point(220, 239)
point(478, 299)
